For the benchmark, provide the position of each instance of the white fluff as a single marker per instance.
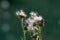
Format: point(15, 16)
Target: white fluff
point(31, 21)
point(33, 13)
point(21, 13)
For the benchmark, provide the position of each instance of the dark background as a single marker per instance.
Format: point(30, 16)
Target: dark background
point(10, 28)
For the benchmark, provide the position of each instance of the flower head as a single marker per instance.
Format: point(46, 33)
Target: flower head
point(33, 14)
point(21, 14)
point(41, 20)
point(32, 21)
point(29, 24)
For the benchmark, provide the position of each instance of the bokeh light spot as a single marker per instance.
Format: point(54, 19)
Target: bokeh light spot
point(5, 27)
point(5, 4)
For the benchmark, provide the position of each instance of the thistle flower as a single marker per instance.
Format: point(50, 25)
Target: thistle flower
point(31, 24)
point(31, 21)
point(21, 14)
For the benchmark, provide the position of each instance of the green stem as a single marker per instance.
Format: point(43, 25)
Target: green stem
point(22, 23)
point(23, 29)
point(24, 35)
point(36, 38)
point(40, 29)
point(39, 32)
point(33, 38)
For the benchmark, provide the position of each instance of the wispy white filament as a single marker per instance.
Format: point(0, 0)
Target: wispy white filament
point(21, 13)
point(33, 14)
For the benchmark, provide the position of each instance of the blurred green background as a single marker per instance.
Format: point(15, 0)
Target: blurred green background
point(10, 27)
